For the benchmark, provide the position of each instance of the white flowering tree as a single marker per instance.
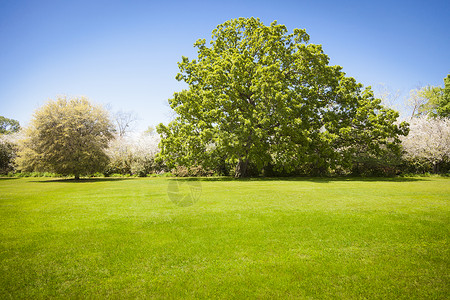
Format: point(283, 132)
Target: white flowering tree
point(8, 151)
point(428, 141)
point(133, 154)
point(144, 150)
point(120, 155)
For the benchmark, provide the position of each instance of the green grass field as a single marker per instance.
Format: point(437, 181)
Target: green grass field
point(262, 238)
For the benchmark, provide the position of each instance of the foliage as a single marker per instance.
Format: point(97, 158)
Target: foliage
point(433, 101)
point(120, 156)
point(134, 155)
point(433, 96)
point(35, 174)
point(7, 156)
point(145, 150)
point(8, 125)
point(9, 131)
point(415, 102)
point(8, 151)
point(67, 136)
point(261, 98)
point(427, 147)
point(193, 171)
point(443, 109)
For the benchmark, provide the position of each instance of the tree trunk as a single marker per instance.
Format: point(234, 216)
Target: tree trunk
point(241, 168)
point(435, 168)
point(77, 176)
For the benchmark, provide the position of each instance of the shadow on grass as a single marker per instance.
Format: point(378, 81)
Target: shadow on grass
point(83, 180)
point(308, 179)
point(249, 179)
point(8, 178)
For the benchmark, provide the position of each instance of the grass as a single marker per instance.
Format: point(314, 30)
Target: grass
point(272, 238)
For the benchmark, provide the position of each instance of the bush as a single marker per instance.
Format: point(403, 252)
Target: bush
point(98, 174)
point(181, 171)
point(143, 166)
point(422, 166)
point(194, 171)
point(36, 174)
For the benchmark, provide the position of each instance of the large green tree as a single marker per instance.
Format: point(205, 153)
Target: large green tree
point(67, 136)
point(261, 97)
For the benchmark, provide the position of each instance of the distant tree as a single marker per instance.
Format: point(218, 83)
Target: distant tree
point(388, 96)
point(433, 101)
point(120, 156)
point(133, 155)
point(144, 151)
point(433, 98)
point(260, 98)
point(8, 150)
point(443, 109)
point(150, 130)
point(415, 102)
point(8, 125)
point(124, 121)
point(9, 129)
point(67, 136)
point(428, 140)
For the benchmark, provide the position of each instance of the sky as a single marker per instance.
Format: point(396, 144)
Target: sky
point(124, 54)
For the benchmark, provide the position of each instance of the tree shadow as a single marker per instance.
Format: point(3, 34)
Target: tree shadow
point(8, 178)
point(361, 179)
point(304, 179)
point(83, 180)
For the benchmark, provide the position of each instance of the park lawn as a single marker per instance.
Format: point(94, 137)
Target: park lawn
point(260, 238)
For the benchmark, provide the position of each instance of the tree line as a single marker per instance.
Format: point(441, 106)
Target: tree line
point(260, 101)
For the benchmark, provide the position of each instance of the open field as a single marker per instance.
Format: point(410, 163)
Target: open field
point(263, 238)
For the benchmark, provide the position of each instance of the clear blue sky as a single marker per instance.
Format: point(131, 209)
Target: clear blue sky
point(125, 53)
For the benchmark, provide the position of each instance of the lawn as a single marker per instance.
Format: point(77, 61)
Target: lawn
point(261, 238)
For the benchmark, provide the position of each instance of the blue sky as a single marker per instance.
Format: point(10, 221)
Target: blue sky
point(125, 53)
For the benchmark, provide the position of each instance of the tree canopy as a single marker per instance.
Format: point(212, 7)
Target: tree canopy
point(428, 141)
point(8, 125)
point(7, 155)
point(9, 129)
point(260, 98)
point(67, 136)
point(445, 102)
point(433, 101)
